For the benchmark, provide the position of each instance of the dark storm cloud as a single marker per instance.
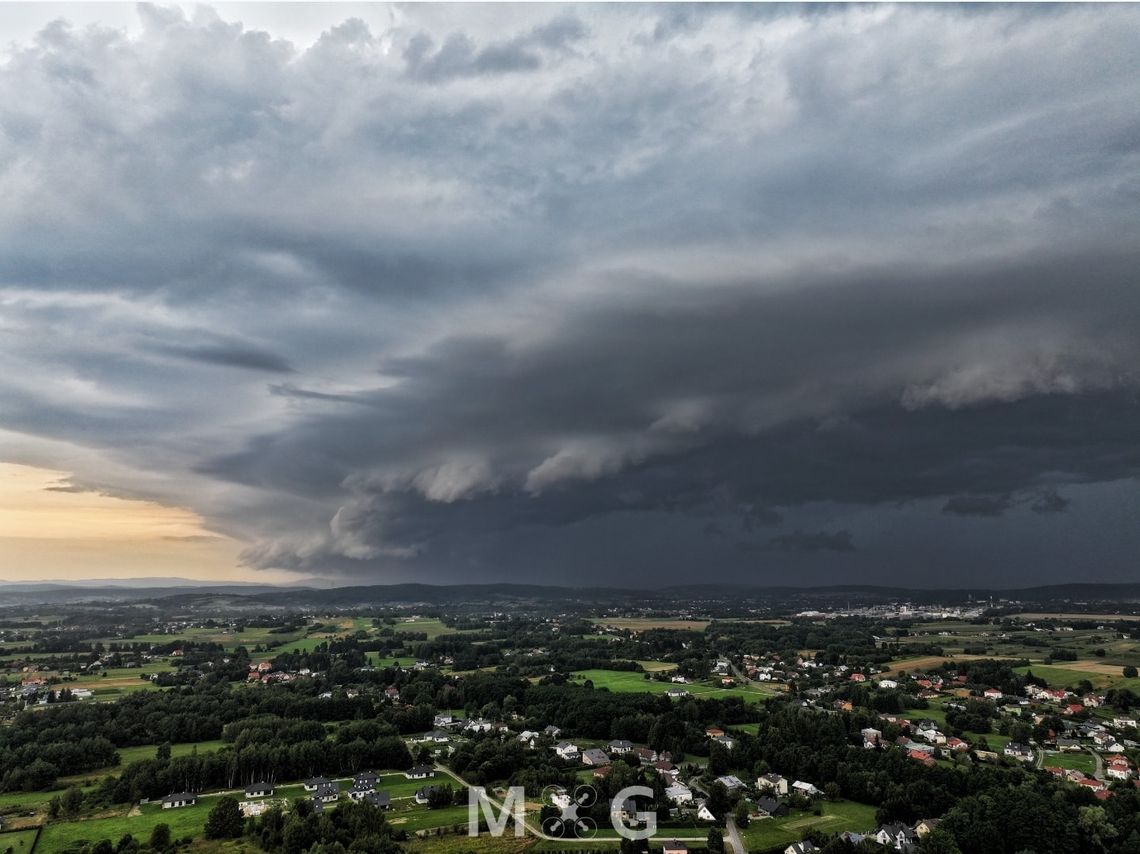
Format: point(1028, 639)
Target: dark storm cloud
point(1050, 501)
point(813, 541)
point(588, 292)
point(230, 355)
point(978, 505)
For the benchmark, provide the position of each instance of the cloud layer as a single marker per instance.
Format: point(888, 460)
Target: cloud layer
point(611, 294)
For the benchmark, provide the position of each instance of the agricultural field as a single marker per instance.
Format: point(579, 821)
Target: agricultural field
point(1072, 672)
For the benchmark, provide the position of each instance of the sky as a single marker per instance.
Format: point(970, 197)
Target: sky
point(600, 294)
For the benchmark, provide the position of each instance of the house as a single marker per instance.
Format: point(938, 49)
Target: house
point(805, 847)
point(925, 758)
point(328, 793)
point(1121, 723)
point(392, 693)
point(443, 720)
point(957, 744)
point(725, 741)
point(552, 731)
point(259, 790)
point(704, 813)
point(620, 746)
point(679, 794)
point(365, 778)
point(359, 791)
point(897, 836)
point(888, 683)
point(1068, 745)
point(772, 783)
point(674, 847)
point(378, 799)
point(806, 789)
point(179, 799)
point(419, 772)
point(595, 756)
point(730, 782)
point(314, 783)
point(646, 755)
point(992, 694)
point(424, 795)
point(1014, 750)
point(567, 751)
point(436, 736)
point(871, 737)
point(714, 732)
point(771, 807)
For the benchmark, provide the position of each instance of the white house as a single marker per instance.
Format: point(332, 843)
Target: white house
point(805, 788)
point(567, 751)
point(772, 783)
point(679, 794)
point(179, 799)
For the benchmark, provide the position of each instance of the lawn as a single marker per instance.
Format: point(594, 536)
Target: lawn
point(629, 682)
point(1076, 761)
point(777, 833)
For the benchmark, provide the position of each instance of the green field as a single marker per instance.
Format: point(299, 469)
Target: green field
point(629, 682)
point(1076, 761)
point(1059, 676)
point(768, 834)
point(17, 841)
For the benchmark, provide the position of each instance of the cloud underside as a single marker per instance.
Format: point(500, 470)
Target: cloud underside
point(595, 290)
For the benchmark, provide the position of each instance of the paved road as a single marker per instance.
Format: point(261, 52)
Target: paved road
point(734, 836)
point(1099, 764)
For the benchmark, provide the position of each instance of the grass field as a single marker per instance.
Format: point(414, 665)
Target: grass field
point(769, 834)
point(1042, 615)
point(1065, 676)
point(656, 666)
point(1076, 761)
point(629, 682)
point(189, 821)
point(17, 841)
point(640, 624)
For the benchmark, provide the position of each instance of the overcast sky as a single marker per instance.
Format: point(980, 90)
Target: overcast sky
point(626, 295)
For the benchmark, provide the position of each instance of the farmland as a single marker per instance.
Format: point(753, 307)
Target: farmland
point(628, 682)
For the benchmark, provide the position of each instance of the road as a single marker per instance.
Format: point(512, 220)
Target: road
point(734, 836)
point(1099, 764)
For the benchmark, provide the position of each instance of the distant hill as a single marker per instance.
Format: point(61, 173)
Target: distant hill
point(196, 595)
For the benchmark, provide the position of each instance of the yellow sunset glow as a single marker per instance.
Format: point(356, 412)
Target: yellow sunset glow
point(47, 534)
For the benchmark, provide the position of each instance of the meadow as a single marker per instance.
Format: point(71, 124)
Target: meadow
point(769, 834)
point(631, 682)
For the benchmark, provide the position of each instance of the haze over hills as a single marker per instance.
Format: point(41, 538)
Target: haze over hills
point(253, 595)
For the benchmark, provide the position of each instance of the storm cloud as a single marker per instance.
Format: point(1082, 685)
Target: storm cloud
point(606, 294)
